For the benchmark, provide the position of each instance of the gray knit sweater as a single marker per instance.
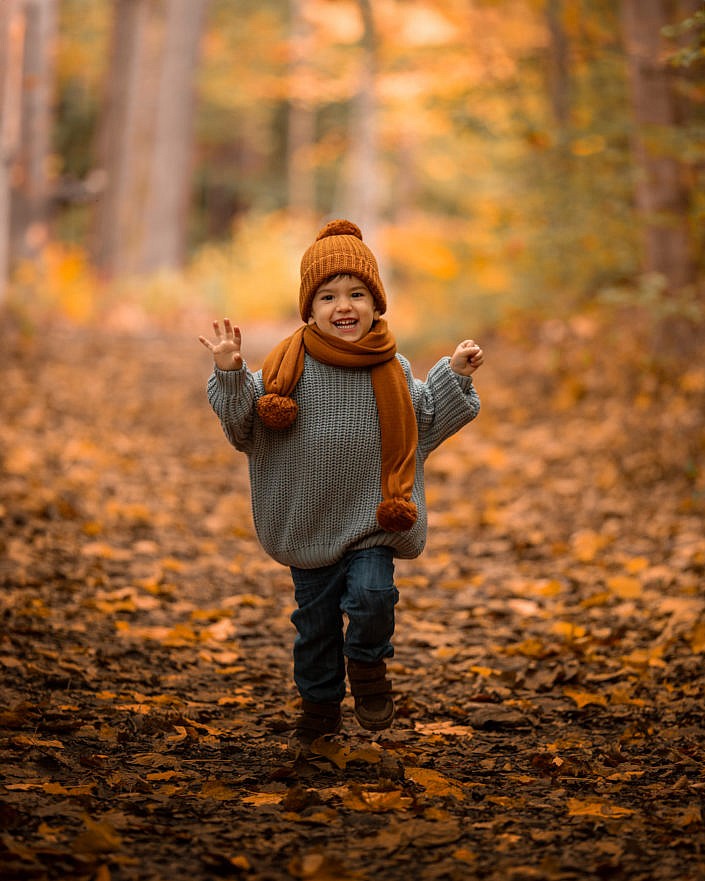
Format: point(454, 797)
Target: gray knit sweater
point(316, 486)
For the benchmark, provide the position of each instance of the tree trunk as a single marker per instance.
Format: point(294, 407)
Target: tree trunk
point(12, 35)
point(164, 242)
point(362, 203)
point(146, 137)
point(30, 194)
point(301, 120)
point(113, 248)
point(661, 196)
point(558, 68)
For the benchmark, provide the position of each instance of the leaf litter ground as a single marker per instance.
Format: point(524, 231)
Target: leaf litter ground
point(549, 650)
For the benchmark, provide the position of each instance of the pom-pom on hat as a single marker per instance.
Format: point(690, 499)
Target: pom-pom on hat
point(339, 249)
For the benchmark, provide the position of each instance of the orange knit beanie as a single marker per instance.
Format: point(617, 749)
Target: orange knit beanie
point(339, 249)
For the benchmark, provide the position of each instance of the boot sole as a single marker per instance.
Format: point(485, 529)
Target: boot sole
point(375, 725)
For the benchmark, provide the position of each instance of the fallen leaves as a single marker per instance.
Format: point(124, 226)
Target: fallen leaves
point(549, 648)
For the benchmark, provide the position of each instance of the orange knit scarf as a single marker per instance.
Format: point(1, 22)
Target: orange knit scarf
point(282, 369)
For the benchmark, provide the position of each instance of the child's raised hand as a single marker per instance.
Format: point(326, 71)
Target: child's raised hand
point(466, 358)
point(226, 347)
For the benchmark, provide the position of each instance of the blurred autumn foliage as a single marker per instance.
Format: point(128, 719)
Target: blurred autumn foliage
point(497, 153)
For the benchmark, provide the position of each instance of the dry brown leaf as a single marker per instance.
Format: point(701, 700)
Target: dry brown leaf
point(258, 799)
point(219, 791)
point(436, 784)
point(585, 698)
point(626, 587)
point(24, 740)
point(317, 866)
point(99, 836)
point(374, 801)
point(341, 755)
point(579, 807)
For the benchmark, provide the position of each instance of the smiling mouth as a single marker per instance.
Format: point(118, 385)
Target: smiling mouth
point(346, 322)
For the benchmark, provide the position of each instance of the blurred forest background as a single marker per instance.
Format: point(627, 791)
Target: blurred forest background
point(166, 157)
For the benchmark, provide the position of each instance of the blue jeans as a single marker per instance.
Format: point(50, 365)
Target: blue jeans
point(360, 586)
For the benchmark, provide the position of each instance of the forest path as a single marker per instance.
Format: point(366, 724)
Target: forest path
point(549, 647)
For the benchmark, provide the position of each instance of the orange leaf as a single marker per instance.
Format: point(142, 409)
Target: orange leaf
point(625, 586)
point(435, 783)
point(587, 544)
point(583, 698)
point(697, 637)
point(259, 798)
point(340, 755)
point(376, 802)
point(98, 837)
point(585, 807)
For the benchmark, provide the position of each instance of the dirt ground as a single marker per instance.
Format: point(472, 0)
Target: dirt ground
point(549, 648)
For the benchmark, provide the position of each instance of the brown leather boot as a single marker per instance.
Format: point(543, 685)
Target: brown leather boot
point(374, 705)
point(315, 720)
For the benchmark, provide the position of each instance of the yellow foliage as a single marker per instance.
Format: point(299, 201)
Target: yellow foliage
point(420, 251)
point(493, 277)
point(60, 281)
point(588, 145)
point(256, 274)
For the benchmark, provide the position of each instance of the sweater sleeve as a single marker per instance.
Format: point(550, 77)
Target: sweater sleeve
point(232, 395)
point(444, 403)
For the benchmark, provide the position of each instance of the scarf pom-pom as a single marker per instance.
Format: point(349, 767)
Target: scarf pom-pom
point(396, 515)
point(276, 411)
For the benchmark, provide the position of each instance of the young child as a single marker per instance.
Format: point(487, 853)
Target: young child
point(336, 430)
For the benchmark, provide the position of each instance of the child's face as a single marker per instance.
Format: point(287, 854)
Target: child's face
point(343, 307)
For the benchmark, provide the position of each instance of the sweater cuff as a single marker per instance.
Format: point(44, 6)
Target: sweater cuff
point(230, 381)
point(465, 382)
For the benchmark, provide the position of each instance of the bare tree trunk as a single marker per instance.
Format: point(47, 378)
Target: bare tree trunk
point(302, 119)
point(12, 35)
point(558, 73)
point(169, 186)
point(362, 203)
point(146, 137)
point(30, 196)
point(662, 198)
point(112, 245)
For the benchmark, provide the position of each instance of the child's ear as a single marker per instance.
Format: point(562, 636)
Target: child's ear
point(375, 314)
point(312, 320)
